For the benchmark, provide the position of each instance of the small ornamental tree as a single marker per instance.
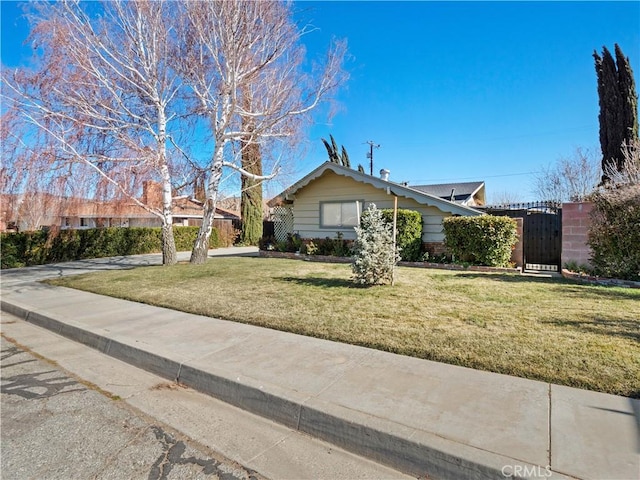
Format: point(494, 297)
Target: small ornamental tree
point(375, 255)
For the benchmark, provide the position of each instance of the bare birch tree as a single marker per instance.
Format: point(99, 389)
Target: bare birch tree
point(105, 93)
point(236, 47)
point(627, 173)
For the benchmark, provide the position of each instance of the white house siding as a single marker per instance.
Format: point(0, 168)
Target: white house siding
point(333, 187)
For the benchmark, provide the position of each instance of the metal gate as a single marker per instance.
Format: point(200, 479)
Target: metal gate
point(542, 232)
point(543, 240)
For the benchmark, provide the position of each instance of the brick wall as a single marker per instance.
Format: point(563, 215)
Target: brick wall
point(517, 256)
point(575, 228)
point(434, 248)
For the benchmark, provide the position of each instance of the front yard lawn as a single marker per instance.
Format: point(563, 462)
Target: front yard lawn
point(545, 329)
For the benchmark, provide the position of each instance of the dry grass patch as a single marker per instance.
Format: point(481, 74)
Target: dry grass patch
point(551, 330)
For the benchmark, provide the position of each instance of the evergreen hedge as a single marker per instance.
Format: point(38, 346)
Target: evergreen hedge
point(409, 233)
point(486, 240)
point(614, 234)
point(38, 248)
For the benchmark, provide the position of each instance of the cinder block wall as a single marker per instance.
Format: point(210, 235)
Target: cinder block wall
point(517, 256)
point(575, 229)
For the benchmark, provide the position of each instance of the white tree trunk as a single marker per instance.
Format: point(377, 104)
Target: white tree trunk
point(169, 254)
point(201, 247)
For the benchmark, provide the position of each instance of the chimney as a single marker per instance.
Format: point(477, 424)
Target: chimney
point(152, 193)
point(384, 174)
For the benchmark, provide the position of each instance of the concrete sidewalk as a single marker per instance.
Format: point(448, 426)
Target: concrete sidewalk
point(424, 418)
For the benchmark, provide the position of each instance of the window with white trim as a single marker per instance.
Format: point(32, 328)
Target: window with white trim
point(340, 214)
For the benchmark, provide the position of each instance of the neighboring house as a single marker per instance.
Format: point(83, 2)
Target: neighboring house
point(331, 198)
point(471, 194)
point(34, 211)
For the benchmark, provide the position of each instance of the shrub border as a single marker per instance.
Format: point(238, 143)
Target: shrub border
point(440, 266)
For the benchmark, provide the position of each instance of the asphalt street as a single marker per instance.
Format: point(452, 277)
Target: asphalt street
point(56, 426)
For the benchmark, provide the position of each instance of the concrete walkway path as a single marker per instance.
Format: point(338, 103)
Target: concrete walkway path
point(424, 418)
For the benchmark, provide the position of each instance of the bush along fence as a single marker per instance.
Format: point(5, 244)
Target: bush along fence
point(42, 247)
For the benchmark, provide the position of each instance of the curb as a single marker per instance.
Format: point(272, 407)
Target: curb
point(418, 453)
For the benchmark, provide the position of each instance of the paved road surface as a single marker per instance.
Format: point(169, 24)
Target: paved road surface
point(54, 426)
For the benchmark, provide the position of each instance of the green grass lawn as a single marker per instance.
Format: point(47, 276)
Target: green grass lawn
point(545, 329)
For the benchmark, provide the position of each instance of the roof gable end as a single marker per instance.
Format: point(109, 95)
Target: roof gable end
point(288, 195)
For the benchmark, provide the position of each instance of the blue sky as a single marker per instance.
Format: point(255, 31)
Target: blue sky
point(459, 91)
point(454, 91)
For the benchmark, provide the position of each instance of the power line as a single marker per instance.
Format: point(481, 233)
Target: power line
point(453, 179)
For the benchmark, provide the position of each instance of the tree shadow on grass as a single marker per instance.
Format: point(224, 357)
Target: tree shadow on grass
point(563, 286)
point(320, 282)
point(515, 278)
point(605, 292)
point(615, 328)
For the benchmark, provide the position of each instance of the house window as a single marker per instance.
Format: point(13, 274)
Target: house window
point(340, 214)
point(84, 222)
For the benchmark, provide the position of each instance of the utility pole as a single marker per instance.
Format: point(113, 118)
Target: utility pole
point(372, 145)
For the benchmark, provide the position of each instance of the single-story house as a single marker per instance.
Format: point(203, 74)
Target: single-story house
point(331, 198)
point(34, 211)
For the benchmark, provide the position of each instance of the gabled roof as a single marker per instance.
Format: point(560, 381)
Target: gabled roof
point(392, 188)
point(462, 192)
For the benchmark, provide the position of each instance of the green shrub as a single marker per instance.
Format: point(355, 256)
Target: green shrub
point(336, 247)
point(409, 233)
point(12, 248)
point(41, 247)
point(409, 239)
point(486, 240)
point(614, 234)
point(185, 237)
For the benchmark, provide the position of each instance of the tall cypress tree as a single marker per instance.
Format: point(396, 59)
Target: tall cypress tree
point(629, 97)
point(251, 196)
point(618, 108)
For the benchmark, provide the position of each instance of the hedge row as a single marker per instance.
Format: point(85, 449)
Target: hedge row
point(487, 240)
point(38, 248)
